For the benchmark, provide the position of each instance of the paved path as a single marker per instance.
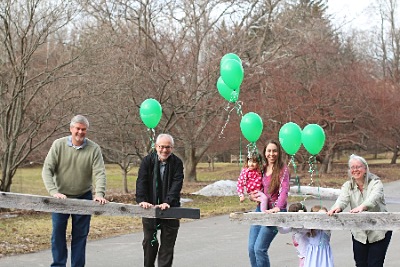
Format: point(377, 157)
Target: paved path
point(214, 242)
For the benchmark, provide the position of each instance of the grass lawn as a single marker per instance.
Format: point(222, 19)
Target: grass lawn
point(24, 232)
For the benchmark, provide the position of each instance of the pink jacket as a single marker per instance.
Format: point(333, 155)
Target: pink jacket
point(249, 180)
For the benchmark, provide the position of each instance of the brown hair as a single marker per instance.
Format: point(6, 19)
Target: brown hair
point(296, 207)
point(317, 208)
point(278, 165)
point(255, 157)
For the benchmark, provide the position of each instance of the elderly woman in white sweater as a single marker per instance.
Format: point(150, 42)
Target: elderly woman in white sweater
point(364, 192)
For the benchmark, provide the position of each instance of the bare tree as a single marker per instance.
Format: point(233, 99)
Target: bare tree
point(34, 65)
point(125, 70)
point(175, 48)
point(379, 50)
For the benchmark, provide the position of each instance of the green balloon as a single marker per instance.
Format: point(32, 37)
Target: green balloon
point(150, 112)
point(251, 126)
point(232, 73)
point(313, 138)
point(226, 92)
point(230, 56)
point(290, 137)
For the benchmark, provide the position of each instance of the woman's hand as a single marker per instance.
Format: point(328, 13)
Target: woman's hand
point(358, 209)
point(255, 196)
point(332, 211)
point(273, 210)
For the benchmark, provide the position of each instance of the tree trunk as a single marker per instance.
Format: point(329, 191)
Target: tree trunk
point(330, 163)
point(375, 152)
point(6, 178)
point(190, 165)
point(324, 165)
point(125, 180)
point(395, 155)
point(8, 167)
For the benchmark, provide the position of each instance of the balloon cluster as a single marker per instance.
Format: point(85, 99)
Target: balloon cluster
point(150, 113)
point(312, 137)
point(231, 78)
point(228, 85)
point(291, 137)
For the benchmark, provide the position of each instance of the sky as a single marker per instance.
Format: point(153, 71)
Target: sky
point(356, 14)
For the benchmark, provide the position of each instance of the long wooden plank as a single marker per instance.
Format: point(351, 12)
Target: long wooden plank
point(316, 220)
point(79, 206)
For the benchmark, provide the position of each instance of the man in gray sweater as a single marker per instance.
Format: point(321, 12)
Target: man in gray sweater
point(68, 172)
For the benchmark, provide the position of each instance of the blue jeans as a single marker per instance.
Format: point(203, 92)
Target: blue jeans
point(260, 238)
point(80, 231)
point(371, 254)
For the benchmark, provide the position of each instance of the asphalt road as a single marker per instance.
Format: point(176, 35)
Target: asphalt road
point(215, 242)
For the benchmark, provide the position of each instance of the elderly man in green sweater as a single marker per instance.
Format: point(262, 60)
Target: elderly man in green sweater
point(68, 171)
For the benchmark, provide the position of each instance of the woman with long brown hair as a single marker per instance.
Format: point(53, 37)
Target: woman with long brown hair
point(276, 186)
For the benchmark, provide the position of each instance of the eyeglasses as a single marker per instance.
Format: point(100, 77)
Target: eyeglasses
point(353, 168)
point(164, 147)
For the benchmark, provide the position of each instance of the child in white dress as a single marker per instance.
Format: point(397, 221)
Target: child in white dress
point(299, 235)
point(319, 252)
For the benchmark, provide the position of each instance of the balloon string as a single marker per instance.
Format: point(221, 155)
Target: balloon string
point(152, 136)
point(234, 96)
point(251, 149)
point(311, 169)
point(238, 108)
point(240, 148)
point(318, 182)
point(227, 120)
point(297, 180)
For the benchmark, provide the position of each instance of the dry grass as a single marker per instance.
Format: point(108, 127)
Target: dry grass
point(31, 231)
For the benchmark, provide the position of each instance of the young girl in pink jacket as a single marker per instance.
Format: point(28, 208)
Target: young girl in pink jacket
point(250, 179)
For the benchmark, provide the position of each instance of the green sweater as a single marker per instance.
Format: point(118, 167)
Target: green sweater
point(70, 171)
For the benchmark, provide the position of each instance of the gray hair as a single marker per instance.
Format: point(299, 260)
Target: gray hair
point(163, 135)
point(79, 119)
point(364, 162)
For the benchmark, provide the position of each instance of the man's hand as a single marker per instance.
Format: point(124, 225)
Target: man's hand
point(145, 205)
point(101, 200)
point(59, 195)
point(163, 206)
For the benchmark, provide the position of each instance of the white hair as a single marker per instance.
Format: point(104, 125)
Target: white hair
point(163, 135)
